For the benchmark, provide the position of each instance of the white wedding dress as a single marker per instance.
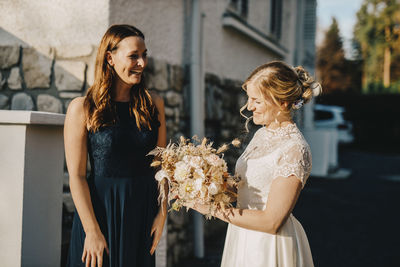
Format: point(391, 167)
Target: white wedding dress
point(281, 152)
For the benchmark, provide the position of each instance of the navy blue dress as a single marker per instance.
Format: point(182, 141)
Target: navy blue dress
point(123, 192)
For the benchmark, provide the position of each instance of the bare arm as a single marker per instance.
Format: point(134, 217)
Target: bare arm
point(282, 198)
point(75, 134)
point(162, 132)
point(159, 220)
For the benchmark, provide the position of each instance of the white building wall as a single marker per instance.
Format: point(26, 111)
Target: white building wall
point(228, 53)
point(52, 23)
point(162, 23)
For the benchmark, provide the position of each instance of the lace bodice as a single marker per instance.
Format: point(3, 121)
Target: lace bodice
point(120, 150)
point(281, 152)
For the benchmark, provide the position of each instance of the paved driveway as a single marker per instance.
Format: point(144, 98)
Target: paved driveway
point(353, 222)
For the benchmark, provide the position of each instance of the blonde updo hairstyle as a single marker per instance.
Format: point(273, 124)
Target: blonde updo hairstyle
point(280, 83)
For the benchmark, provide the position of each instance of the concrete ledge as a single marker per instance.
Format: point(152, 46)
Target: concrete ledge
point(31, 117)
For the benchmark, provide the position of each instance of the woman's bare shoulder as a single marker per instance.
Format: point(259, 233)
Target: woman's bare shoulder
point(76, 108)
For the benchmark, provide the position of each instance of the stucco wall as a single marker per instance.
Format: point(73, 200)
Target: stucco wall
point(162, 23)
point(227, 53)
point(53, 23)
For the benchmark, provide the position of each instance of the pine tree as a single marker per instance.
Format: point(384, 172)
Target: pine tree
point(331, 62)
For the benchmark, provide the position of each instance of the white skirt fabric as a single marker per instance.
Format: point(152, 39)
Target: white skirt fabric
point(248, 248)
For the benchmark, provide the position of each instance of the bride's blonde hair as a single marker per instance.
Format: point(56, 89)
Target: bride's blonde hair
point(281, 83)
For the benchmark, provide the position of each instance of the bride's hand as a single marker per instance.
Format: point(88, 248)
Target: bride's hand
point(202, 208)
point(219, 213)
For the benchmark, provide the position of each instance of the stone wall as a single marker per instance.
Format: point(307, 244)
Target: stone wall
point(224, 98)
point(44, 79)
point(48, 79)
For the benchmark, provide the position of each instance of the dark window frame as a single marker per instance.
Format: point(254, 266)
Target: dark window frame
point(276, 18)
point(240, 7)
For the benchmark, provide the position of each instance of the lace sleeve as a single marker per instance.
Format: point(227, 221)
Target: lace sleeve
point(294, 159)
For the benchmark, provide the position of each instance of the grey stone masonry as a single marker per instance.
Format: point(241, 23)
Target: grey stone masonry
point(2, 81)
point(49, 103)
point(180, 242)
point(66, 104)
point(36, 66)
point(22, 101)
point(169, 112)
point(14, 80)
point(173, 98)
point(177, 78)
point(3, 101)
point(157, 76)
point(70, 75)
point(69, 94)
point(9, 56)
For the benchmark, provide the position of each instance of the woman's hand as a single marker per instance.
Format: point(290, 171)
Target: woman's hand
point(156, 230)
point(222, 214)
point(93, 250)
point(202, 208)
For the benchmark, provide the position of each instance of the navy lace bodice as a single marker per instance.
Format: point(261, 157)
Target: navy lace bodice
point(120, 150)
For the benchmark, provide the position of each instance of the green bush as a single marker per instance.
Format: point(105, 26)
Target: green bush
point(379, 88)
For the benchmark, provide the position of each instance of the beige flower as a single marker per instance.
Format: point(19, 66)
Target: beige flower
point(198, 183)
point(212, 189)
point(182, 171)
point(213, 160)
point(198, 174)
point(196, 162)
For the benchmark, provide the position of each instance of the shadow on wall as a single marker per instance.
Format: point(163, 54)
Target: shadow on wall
point(42, 78)
point(47, 79)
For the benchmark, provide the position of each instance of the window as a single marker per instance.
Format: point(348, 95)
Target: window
point(241, 7)
point(276, 18)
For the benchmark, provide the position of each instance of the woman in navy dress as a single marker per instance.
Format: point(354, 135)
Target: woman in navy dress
point(118, 221)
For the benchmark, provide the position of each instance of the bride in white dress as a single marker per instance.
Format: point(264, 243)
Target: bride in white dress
point(273, 169)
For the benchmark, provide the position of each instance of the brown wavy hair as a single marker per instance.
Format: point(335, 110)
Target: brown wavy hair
point(99, 108)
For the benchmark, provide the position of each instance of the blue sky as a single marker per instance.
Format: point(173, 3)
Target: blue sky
point(345, 13)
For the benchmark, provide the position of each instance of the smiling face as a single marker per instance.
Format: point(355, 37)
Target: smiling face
point(129, 60)
point(264, 111)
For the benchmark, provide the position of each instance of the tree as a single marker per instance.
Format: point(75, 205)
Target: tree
point(377, 32)
point(331, 62)
point(388, 16)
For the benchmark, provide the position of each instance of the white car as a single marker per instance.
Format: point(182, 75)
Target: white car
point(333, 117)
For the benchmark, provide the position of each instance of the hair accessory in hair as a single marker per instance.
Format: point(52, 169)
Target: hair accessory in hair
point(298, 103)
point(316, 88)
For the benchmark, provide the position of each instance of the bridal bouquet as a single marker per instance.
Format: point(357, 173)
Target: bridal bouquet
point(195, 174)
